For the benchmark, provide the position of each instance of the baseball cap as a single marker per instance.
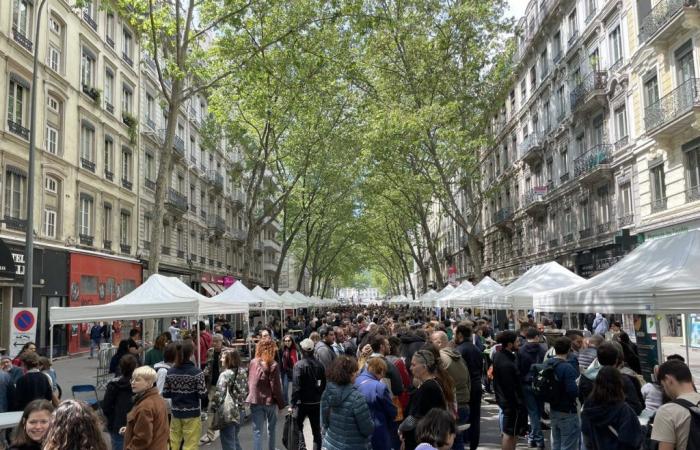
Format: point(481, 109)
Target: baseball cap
point(307, 345)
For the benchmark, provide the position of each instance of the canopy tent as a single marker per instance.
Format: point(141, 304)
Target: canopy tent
point(440, 299)
point(291, 301)
point(238, 294)
point(543, 277)
point(426, 300)
point(485, 288)
point(661, 275)
point(269, 302)
point(459, 293)
point(303, 299)
point(159, 296)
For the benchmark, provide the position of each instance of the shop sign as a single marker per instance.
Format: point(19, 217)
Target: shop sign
point(694, 330)
point(8, 268)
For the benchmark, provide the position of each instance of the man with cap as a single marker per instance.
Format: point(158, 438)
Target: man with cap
point(308, 384)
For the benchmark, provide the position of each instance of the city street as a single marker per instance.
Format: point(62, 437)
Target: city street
point(81, 370)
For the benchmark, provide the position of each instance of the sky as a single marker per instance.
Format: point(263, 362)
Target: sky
point(517, 8)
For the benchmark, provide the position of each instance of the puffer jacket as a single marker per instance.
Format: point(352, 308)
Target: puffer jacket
point(345, 418)
point(380, 405)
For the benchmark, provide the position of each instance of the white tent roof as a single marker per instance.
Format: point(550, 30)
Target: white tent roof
point(269, 302)
point(543, 277)
point(426, 299)
point(441, 298)
point(484, 289)
point(291, 301)
point(239, 295)
point(459, 294)
point(157, 297)
point(661, 275)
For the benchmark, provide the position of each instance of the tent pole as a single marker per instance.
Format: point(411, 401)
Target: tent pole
point(199, 346)
point(659, 348)
point(51, 343)
point(686, 337)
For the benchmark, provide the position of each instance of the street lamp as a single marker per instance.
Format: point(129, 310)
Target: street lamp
point(29, 236)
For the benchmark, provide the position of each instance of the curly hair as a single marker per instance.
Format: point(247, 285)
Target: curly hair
point(74, 426)
point(342, 370)
point(267, 351)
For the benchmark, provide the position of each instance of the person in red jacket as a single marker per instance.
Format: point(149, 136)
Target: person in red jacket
point(204, 340)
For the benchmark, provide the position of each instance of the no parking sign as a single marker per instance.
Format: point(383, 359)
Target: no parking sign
point(23, 328)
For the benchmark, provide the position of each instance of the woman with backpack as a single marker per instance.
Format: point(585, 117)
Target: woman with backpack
point(264, 392)
point(607, 421)
point(233, 380)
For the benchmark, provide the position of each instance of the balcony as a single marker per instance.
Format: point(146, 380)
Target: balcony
point(589, 93)
point(675, 112)
point(269, 267)
point(176, 202)
point(239, 235)
point(127, 59)
point(238, 198)
point(216, 180)
point(604, 227)
point(202, 260)
point(109, 41)
point(107, 244)
point(89, 20)
point(193, 257)
point(585, 233)
point(594, 165)
point(504, 219)
point(568, 238)
point(667, 20)
point(22, 40)
point(126, 184)
point(91, 92)
point(542, 247)
point(86, 239)
point(658, 205)
point(150, 123)
point(530, 149)
point(150, 184)
point(18, 129)
point(87, 164)
point(211, 262)
point(625, 220)
point(181, 254)
point(109, 107)
point(179, 148)
point(553, 243)
point(622, 143)
point(257, 247)
point(109, 175)
point(165, 250)
point(564, 178)
point(271, 244)
point(217, 225)
point(533, 201)
point(15, 223)
point(125, 248)
point(193, 208)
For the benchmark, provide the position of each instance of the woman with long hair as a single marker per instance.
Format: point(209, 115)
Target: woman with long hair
point(32, 428)
point(264, 392)
point(443, 378)
point(436, 430)
point(289, 357)
point(154, 355)
point(74, 426)
point(607, 421)
point(345, 415)
point(233, 379)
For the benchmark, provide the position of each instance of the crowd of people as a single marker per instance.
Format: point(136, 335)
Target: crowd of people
point(364, 378)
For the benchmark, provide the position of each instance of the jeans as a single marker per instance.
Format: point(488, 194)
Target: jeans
point(313, 412)
point(188, 430)
point(94, 344)
point(474, 431)
point(229, 437)
point(462, 418)
point(534, 411)
point(286, 379)
point(566, 430)
point(211, 433)
point(117, 441)
point(259, 414)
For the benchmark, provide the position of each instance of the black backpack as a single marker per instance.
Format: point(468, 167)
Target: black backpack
point(694, 429)
point(545, 383)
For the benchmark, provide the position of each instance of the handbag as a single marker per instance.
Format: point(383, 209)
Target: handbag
point(228, 411)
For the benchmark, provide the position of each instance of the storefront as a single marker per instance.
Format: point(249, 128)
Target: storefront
point(212, 284)
point(96, 280)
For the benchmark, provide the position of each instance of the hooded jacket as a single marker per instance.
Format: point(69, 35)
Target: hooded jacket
point(117, 403)
point(474, 360)
point(380, 405)
point(308, 381)
point(345, 418)
point(506, 381)
point(410, 343)
point(529, 354)
point(598, 421)
point(632, 397)
point(147, 423)
point(324, 354)
point(454, 364)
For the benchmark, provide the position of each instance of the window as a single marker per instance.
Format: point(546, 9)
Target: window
point(692, 171)
point(87, 141)
point(523, 92)
point(124, 219)
point(149, 169)
point(87, 68)
point(54, 25)
point(590, 9)
point(52, 139)
point(50, 223)
point(564, 161)
point(625, 199)
point(109, 31)
point(180, 240)
point(22, 18)
point(17, 100)
point(561, 105)
point(127, 98)
point(192, 193)
point(573, 27)
point(193, 250)
point(533, 78)
point(109, 154)
point(544, 64)
point(15, 194)
point(556, 46)
point(585, 216)
point(615, 41)
point(126, 45)
point(568, 224)
point(86, 215)
point(147, 227)
point(603, 205)
point(545, 116)
point(549, 170)
point(126, 164)
point(52, 103)
point(512, 102)
point(651, 90)
point(685, 70)
point(51, 185)
point(657, 180)
point(107, 222)
point(109, 90)
point(150, 107)
point(580, 145)
point(620, 123)
point(54, 59)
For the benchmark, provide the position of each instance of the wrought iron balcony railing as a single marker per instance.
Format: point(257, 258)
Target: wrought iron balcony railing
point(176, 200)
point(21, 39)
point(589, 161)
point(658, 204)
point(673, 105)
point(18, 129)
point(594, 80)
point(660, 15)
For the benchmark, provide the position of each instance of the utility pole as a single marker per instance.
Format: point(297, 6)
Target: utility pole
point(29, 237)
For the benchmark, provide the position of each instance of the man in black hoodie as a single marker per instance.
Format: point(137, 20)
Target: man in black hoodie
point(532, 353)
point(508, 389)
point(475, 364)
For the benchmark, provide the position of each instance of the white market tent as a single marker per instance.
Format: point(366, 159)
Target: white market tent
point(484, 289)
point(159, 296)
point(238, 294)
point(661, 275)
point(290, 301)
point(459, 294)
point(269, 302)
point(543, 277)
point(426, 300)
point(440, 300)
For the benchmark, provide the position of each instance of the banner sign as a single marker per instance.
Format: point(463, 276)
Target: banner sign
point(645, 329)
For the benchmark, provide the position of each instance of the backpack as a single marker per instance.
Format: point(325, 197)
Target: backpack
point(545, 384)
point(694, 430)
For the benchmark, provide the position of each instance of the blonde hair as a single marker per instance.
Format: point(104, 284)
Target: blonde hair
point(377, 366)
point(146, 373)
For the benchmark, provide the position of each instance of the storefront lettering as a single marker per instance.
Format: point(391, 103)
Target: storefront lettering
point(19, 263)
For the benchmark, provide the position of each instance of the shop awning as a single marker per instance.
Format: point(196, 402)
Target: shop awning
point(210, 289)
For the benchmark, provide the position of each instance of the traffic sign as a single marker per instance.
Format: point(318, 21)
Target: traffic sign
point(24, 320)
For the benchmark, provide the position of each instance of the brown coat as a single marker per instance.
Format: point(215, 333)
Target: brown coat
point(147, 425)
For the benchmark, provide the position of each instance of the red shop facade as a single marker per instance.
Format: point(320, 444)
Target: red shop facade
point(97, 280)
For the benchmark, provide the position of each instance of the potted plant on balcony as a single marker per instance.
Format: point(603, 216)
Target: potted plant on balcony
point(131, 123)
point(92, 92)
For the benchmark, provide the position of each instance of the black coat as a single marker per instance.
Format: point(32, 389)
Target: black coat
point(474, 360)
point(31, 386)
point(117, 403)
point(597, 421)
point(308, 382)
point(506, 381)
point(529, 354)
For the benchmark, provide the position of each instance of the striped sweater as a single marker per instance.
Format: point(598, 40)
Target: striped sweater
point(186, 388)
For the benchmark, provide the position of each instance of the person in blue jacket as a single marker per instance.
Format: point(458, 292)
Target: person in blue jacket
point(345, 418)
point(566, 427)
point(378, 399)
